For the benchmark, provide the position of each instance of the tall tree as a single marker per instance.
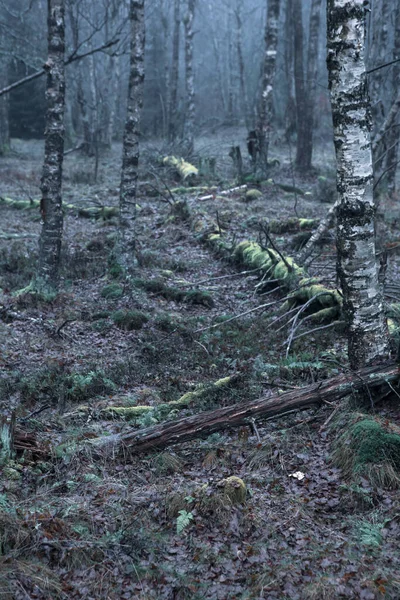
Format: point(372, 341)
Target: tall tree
point(357, 265)
point(305, 161)
point(302, 123)
point(268, 77)
point(131, 150)
point(47, 277)
point(239, 49)
point(190, 105)
point(393, 134)
point(174, 78)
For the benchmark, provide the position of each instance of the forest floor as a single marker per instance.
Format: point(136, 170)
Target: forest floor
point(78, 524)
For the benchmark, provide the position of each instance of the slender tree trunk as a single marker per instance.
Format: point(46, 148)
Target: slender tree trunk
point(312, 74)
point(231, 91)
point(290, 113)
point(130, 160)
point(268, 78)
point(4, 104)
point(303, 126)
point(357, 265)
point(190, 106)
point(174, 79)
point(242, 78)
point(51, 204)
point(393, 134)
point(218, 80)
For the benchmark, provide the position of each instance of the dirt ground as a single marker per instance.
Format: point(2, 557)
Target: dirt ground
point(75, 523)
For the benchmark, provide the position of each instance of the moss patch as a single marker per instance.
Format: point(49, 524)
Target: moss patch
point(370, 447)
point(113, 291)
point(129, 320)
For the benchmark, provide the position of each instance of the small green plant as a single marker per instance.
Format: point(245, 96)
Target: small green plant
point(129, 320)
point(112, 291)
point(183, 520)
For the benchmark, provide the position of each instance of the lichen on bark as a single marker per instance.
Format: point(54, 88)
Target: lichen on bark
point(51, 204)
point(357, 266)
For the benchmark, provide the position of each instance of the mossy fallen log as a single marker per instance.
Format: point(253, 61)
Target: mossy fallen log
point(292, 225)
point(208, 422)
point(90, 212)
point(184, 169)
point(162, 410)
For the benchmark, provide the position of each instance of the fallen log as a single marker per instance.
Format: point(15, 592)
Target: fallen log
point(206, 423)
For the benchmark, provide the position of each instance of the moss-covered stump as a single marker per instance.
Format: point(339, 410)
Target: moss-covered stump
point(234, 489)
point(252, 194)
point(369, 448)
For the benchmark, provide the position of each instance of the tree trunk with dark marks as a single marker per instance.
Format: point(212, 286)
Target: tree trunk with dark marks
point(131, 151)
point(357, 266)
point(47, 277)
point(190, 106)
point(206, 423)
point(242, 77)
point(269, 67)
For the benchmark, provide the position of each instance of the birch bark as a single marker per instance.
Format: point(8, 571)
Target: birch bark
point(269, 68)
point(357, 265)
point(47, 277)
point(190, 105)
point(131, 151)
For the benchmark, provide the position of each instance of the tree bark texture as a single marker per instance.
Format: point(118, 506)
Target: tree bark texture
point(51, 204)
point(206, 423)
point(239, 49)
point(312, 75)
point(393, 133)
point(131, 151)
point(190, 105)
point(174, 78)
point(303, 126)
point(268, 77)
point(357, 265)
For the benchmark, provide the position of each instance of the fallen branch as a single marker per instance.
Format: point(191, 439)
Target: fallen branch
point(206, 423)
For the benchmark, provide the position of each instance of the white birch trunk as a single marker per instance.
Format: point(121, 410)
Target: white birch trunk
point(269, 68)
point(357, 265)
point(130, 159)
point(47, 278)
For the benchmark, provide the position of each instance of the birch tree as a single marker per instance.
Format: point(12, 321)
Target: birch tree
point(47, 277)
point(268, 77)
point(357, 265)
point(190, 106)
point(131, 151)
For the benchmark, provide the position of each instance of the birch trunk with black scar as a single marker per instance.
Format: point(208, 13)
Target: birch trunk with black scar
point(190, 106)
point(357, 266)
point(206, 423)
point(174, 78)
point(131, 150)
point(47, 277)
point(268, 77)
